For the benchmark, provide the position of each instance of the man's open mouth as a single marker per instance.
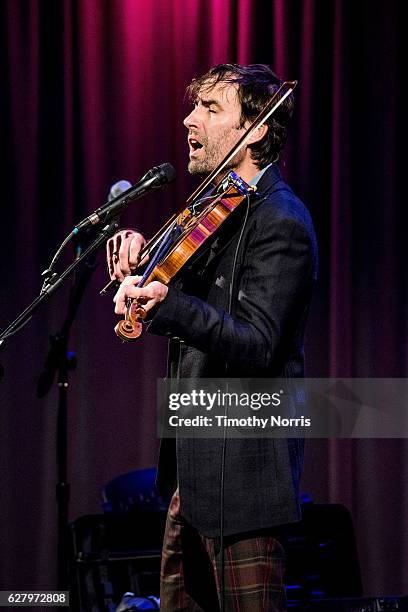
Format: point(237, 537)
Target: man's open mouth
point(194, 144)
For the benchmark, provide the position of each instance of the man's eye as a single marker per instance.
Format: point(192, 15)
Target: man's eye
point(212, 110)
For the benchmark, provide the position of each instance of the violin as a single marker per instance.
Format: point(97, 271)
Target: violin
point(185, 233)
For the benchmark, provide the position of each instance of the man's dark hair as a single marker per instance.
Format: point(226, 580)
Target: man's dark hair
point(257, 83)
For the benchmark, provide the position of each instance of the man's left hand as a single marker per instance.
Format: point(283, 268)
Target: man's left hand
point(151, 295)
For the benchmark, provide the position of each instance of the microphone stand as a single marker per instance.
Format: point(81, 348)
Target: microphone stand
point(61, 362)
point(56, 281)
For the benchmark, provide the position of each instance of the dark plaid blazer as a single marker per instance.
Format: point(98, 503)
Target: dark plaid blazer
point(262, 337)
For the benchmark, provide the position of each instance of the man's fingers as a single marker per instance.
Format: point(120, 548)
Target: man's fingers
point(122, 253)
point(136, 245)
point(125, 292)
point(113, 248)
point(122, 267)
point(151, 295)
point(110, 249)
point(109, 261)
point(131, 280)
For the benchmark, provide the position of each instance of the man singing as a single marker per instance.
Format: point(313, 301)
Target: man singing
point(253, 329)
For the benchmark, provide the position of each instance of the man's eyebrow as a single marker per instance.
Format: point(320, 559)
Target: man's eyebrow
point(208, 103)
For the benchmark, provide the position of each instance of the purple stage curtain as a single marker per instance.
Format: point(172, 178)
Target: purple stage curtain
point(92, 93)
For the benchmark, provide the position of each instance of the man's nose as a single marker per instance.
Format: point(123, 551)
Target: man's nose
point(193, 119)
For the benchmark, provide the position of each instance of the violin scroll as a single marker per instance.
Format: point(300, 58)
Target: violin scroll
point(131, 327)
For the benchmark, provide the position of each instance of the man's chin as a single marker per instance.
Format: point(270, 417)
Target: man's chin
point(197, 169)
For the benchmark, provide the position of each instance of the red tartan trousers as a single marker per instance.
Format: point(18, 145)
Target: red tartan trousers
point(254, 567)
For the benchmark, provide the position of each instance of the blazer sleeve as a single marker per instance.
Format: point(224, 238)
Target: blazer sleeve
point(277, 269)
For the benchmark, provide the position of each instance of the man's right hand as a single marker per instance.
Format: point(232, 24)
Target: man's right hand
point(123, 253)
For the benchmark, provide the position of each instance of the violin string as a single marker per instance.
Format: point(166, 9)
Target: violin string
point(193, 205)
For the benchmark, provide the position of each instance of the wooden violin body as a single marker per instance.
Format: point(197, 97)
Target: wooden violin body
point(191, 231)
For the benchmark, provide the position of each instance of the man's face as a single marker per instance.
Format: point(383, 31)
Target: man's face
point(213, 129)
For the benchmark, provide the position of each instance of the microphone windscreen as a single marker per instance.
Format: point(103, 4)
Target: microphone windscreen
point(169, 172)
point(118, 188)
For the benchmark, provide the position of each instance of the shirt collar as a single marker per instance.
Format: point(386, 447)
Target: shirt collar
point(260, 174)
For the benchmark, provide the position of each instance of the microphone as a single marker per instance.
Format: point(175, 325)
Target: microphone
point(155, 179)
point(118, 188)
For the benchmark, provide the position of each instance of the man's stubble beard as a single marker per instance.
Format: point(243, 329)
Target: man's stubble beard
point(214, 154)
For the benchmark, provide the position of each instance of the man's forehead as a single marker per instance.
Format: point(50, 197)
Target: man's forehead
point(222, 92)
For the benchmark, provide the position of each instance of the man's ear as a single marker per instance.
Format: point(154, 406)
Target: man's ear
point(258, 134)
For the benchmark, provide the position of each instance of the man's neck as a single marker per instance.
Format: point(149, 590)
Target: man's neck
point(246, 172)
